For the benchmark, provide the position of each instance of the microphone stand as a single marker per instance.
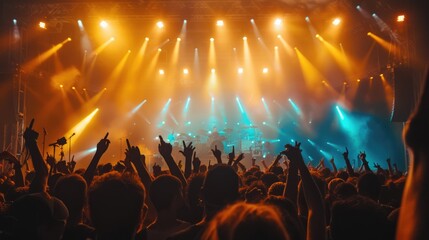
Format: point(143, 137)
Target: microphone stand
point(70, 143)
point(43, 144)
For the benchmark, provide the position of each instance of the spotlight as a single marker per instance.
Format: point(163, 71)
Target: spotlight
point(213, 71)
point(374, 15)
point(265, 70)
point(185, 21)
point(244, 38)
point(112, 39)
point(358, 80)
point(61, 86)
point(179, 39)
point(211, 39)
point(14, 21)
point(42, 25)
point(79, 23)
point(307, 19)
point(159, 49)
point(252, 20)
point(69, 39)
point(186, 71)
point(279, 36)
point(240, 70)
point(73, 88)
point(357, 7)
point(278, 22)
point(146, 39)
point(161, 72)
point(104, 24)
point(219, 23)
point(400, 18)
point(336, 21)
point(160, 24)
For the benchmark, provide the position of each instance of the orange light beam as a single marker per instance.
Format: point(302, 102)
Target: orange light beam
point(103, 46)
point(336, 54)
point(390, 47)
point(33, 63)
point(80, 126)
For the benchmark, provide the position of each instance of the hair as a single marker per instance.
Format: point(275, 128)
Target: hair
point(246, 221)
point(116, 204)
point(220, 186)
point(163, 190)
point(276, 189)
point(269, 178)
point(72, 189)
point(344, 190)
point(333, 184)
point(369, 185)
point(359, 211)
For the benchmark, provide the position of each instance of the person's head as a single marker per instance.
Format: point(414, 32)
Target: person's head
point(166, 193)
point(289, 214)
point(369, 185)
point(344, 190)
point(359, 211)
point(38, 216)
point(276, 189)
point(220, 187)
point(246, 221)
point(333, 184)
point(193, 190)
point(116, 203)
point(71, 189)
point(343, 175)
point(268, 179)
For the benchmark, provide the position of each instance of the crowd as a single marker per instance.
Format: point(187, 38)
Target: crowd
point(226, 200)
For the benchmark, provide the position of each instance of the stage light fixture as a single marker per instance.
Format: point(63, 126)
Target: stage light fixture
point(219, 23)
point(104, 24)
point(265, 70)
point(252, 20)
point(307, 19)
point(186, 71)
point(213, 71)
point(159, 49)
point(74, 88)
point(185, 21)
point(160, 24)
point(240, 70)
point(336, 21)
point(400, 18)
point(61, 86)
point(278, 22)
point(80, 23)
point(211, 39)
point(161, 72)
point(14, 21)
point(146, 39)
point(179, 39)
point(244, 38)
point(42, 25)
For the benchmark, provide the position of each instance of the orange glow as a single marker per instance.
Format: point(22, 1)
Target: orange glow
point(400, 18)
point(42, 25)
point(33, 63)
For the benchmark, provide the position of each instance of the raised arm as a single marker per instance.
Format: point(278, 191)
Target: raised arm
point(291, 189)
point(275, 162)
point(40, 180)
point(196, 163)
point(350, 170)
point(165, 150)
point(137, 159)
point(334, 167)
point(362, 157)
point(188, 151)
point(389, 165)
point(217, 154)
point(101, 149)
point(414, 211)
point(316, 211)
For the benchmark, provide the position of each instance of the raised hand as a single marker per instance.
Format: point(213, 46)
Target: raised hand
point(29, 133)
point(103, 145)
point(164, 148)
point(133, 154)
point(50, 160)
point(362, 156)
point(217, 154)
point(293, 152)
point(332, 161)
point(239, 158)
point(156, 169)
point(346, 154)
point(179, 164)
point(196, 163)
point(187, 150)
point(231, 156)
